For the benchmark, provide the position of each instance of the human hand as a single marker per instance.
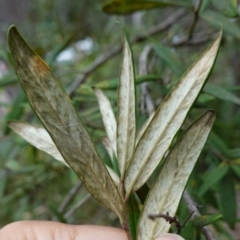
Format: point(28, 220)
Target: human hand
point(44, 230)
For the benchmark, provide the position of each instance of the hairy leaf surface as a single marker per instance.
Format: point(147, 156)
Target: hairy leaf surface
point(167, 191)
point(54, 109)
point(167, 120)
point(108, 117)
point(126, 123)
point(38, 137)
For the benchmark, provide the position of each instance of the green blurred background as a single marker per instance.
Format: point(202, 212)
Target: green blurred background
point(81, 42)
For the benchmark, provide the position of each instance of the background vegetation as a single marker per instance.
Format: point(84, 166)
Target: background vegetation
point(81, 42)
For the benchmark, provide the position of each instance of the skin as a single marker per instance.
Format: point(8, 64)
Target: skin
point(44, 230)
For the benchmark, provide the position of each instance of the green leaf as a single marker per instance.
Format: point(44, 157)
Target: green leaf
point(217, 143)
point(213, 177)
point(112, 84)
point(129, 6)
point(126, 122)
point(228, 8)
point(167, 120)
point(204, 220)
point(227, 200)
point(221, 93)
point(16, 111)
point(8, 79)
point(169, 58)
point(236, 169)
point(54, 109)
point(166, 192)
point(56, 213)
point(133, 215)
point(108, 117)
point(126, 7)
point(215, 19)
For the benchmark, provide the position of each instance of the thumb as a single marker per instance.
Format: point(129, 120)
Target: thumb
point(169, 236)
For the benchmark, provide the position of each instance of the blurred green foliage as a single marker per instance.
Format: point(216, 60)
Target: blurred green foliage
point(33, 185)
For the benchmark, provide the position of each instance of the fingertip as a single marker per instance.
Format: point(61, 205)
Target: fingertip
point(169, 236)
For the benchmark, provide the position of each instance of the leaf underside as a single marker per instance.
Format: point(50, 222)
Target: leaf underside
point(166, 193)
point(54, 109)
point(167, 120)
point(126, 122)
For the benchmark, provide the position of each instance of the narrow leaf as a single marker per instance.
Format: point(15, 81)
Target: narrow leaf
point(228, 8)
point(214, 177)
point(126, 125)
point(38, 137)
point(215, 19)
point(204, 220)
point(54, 109)
point(108, 117)
point(228, 204)
point(170, 58)
point(221, 93)
point(169, 186)
point(167, 120)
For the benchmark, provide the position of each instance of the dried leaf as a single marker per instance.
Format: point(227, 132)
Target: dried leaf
point(108, 117)
point(54, 109)
point(126, 125)
point(167, 120)
point(169, 186)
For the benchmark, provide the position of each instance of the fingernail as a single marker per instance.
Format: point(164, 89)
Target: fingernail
point(169, 236)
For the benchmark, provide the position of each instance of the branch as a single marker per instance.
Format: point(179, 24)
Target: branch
point(196, 16)
point(146, 99)
point(70, 196)
point(117, 49)
point(191, 205)
point(77, 206)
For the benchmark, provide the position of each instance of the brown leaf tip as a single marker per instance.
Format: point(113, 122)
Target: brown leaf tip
point(39, 65)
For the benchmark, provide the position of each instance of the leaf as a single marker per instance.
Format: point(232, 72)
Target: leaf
point(169, 58)
point(16, 110)
point(126, 7)
point(108, 117)
point(204, 220)
point(217, 143)
point(236, 169)
point(130, 6)
point(228, 8)
point(166, 192)
point(54, 109)
point(167, 120)
point(221, 93)
point(213, 177)
point(227, 199)
point(38, 137)
point(215, 19)
point(133, 215)
point(112, 84)
point(126, 122)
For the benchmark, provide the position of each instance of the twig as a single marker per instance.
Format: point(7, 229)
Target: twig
point(146, 99)
point(78, 205)
point(171, 220)
point(70, 196)
point(196, 15)
point(117, 49)
point(193, 208)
